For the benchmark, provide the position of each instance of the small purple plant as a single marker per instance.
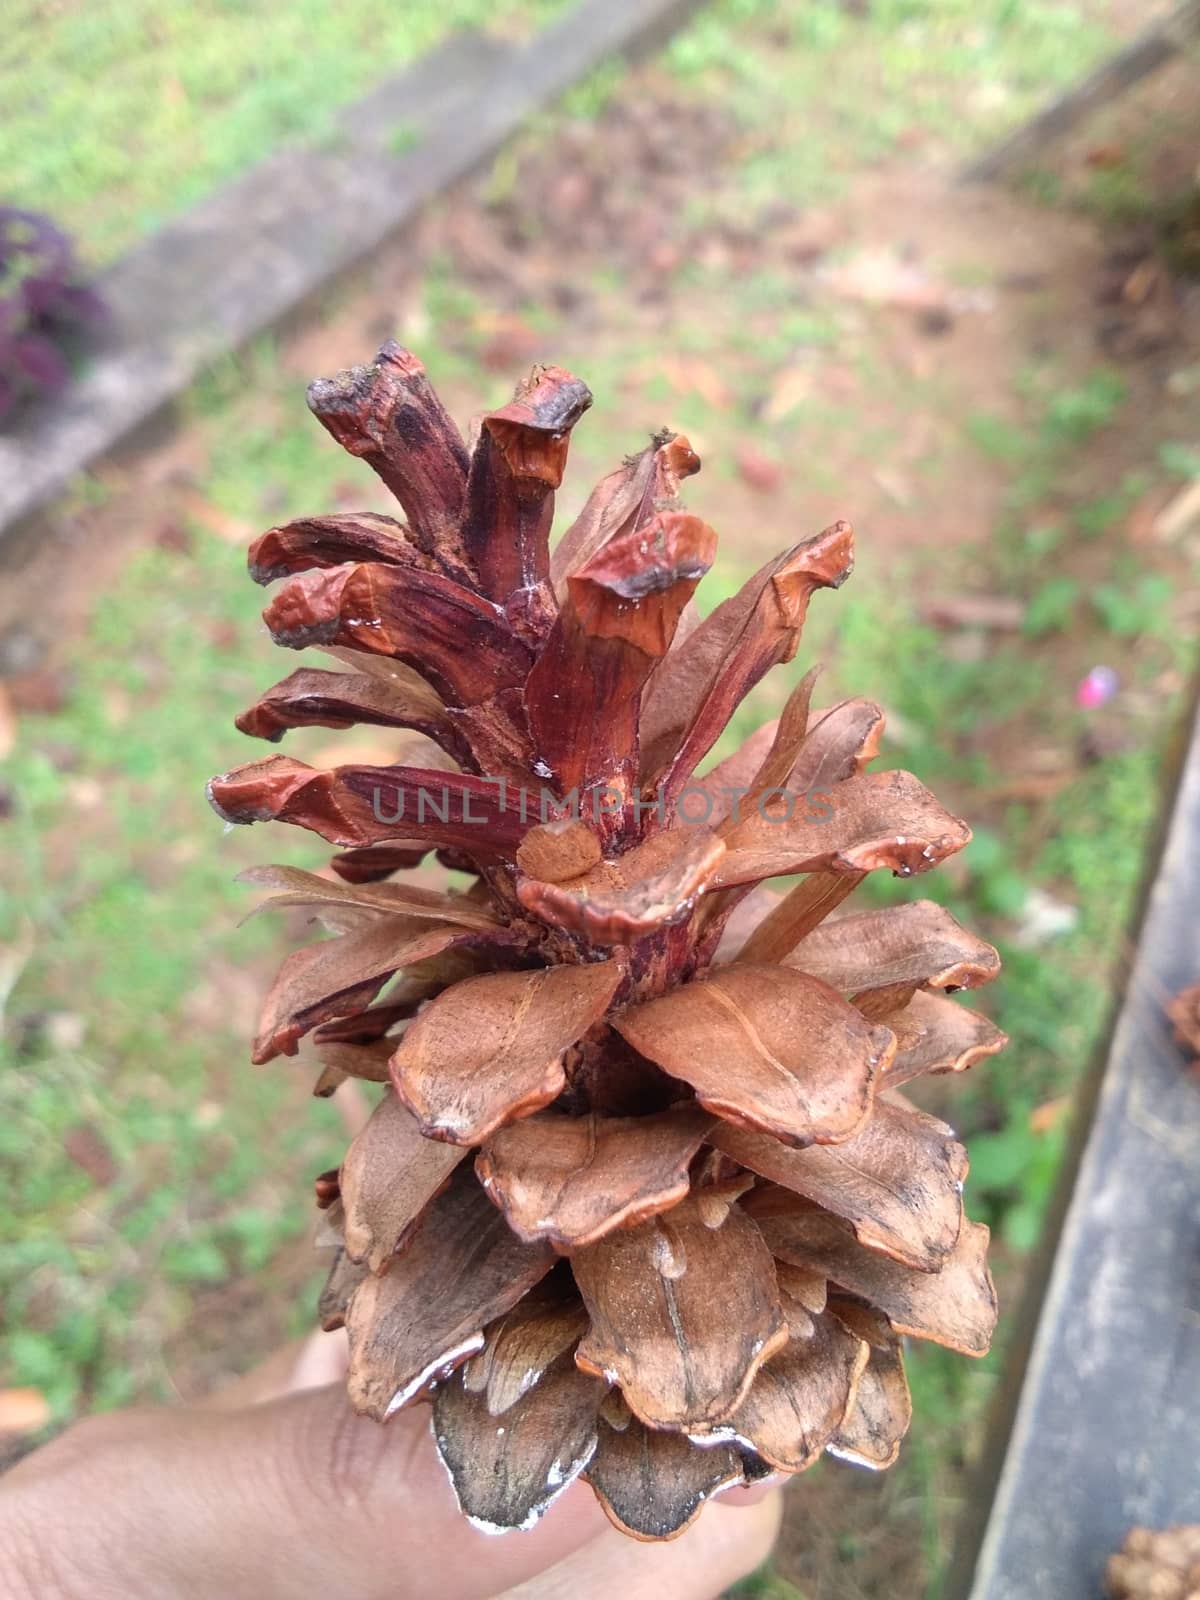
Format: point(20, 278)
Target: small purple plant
point(42, 303)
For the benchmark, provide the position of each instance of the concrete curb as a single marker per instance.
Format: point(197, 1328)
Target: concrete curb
point(1105, 1431)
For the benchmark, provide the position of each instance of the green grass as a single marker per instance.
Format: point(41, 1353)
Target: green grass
point(119, 113)
point(138, 941)
point(765, 1585)
point(838, 90)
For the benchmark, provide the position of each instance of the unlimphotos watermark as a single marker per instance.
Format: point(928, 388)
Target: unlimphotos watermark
point(694, 806)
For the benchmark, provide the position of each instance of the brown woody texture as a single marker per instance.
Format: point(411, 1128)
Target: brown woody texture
point(1183, 1012)
point(1156, 1564)
point(641, 1199)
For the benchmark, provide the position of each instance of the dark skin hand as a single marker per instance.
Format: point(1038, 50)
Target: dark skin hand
point(275, 1490)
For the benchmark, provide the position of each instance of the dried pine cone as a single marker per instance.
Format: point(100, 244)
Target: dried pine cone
point(698, 1217)
point(1183, 1013)
point(1153, 1565)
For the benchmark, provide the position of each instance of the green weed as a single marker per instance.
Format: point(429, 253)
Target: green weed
point(1181, 460)
point(1138, 606)
point(120, 113)
point(765, 1585)
point(1074, 415)
point(1051, 607)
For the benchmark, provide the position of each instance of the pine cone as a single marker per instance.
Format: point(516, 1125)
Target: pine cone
point(1156, 1565)
point(1183, 1013)
point(698, 1217)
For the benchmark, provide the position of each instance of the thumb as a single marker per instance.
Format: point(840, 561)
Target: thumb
point(718, 1551)
point(269, 1502)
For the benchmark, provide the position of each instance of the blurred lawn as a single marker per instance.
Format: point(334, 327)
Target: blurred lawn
point(118, 113)
point(161, 1183)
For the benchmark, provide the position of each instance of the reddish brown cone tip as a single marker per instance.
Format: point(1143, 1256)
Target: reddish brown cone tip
point(1183, 1013)
point(639, 1182)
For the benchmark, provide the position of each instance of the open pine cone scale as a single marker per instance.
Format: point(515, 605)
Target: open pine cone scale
point(641, 1199)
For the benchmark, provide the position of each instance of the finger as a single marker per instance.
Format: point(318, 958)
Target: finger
point(309, 1363)
point(298, 1496)
point(750, 1494)
point(724, 1546)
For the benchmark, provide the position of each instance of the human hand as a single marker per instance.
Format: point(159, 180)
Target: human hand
point(275, 1490)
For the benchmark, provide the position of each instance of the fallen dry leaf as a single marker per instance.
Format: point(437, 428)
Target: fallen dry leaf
point(87, 1147)
point(1179, 513)
point(13, 958)
point(974, 611)
point(8, 724)
point(757, 470)
point(1046, 1117)
point(23, 1410)
point(213, 520)
point(44, 692)
point(789, 388)
point(884, 278)
point(691, 375)
point(511, 343)
point(895, 485)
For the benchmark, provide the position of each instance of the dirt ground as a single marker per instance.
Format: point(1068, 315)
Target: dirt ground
point(933, 297)
point(895, 311)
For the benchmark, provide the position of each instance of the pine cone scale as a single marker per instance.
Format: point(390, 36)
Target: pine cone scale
point(507, 1472)
point(897, 1182)
point(390, 415)
point(802, 1396)
point(462, 1268)
point(744, 645)
point(310, 543)
point(877, 1419)
point(572, 1180)
point(314, 699)
point(654, 1485)
point(389, 1175)
point(936, 1035)
point(682, 1315)
point(341, 976)
point(768, 1048)
point(516, 467)
point(490, 1049)
point(954, 1306)
point(459, 641)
